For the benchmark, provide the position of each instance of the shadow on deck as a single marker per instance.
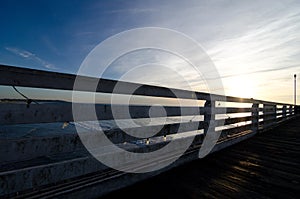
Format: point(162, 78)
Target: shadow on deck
point(265, 166)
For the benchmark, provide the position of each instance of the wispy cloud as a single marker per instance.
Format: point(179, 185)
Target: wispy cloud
point(132, 10)
point(265, 49)
point(29, 55)
point(51, 45)
point(257, 71)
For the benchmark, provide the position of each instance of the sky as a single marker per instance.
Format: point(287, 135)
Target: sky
point(254, 45)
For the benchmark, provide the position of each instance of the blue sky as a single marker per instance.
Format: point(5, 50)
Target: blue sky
point(254, 44)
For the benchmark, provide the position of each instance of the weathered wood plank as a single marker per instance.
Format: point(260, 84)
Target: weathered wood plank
point(232, 110)
point(15, 76)
point(234, 130)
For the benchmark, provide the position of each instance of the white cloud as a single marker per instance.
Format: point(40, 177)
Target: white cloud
point(28, 55)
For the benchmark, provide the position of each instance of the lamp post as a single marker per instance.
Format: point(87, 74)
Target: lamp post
point(295, 89)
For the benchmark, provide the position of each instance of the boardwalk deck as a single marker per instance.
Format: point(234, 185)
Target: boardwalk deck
point(265, 166)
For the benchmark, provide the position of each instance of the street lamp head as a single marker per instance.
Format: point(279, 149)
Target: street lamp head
point(295, 75)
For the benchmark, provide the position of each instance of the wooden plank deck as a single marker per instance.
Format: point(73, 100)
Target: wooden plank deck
point(265, 166)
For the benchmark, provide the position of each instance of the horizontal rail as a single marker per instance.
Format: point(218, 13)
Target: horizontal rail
point(234, 130)
point(232, 110)
point(16, 76)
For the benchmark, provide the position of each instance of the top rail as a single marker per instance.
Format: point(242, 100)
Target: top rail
point(24, 77)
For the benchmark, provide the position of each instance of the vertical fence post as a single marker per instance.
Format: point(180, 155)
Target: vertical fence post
point(294, 110)
point(269, 115)
point(255, 118)
point(209, 115)
point(284, 112)
point(274, 121)
point(297, 110)
point(265, 116)
point(290, 110)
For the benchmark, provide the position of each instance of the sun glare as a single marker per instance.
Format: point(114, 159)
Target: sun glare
point(240, 87)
